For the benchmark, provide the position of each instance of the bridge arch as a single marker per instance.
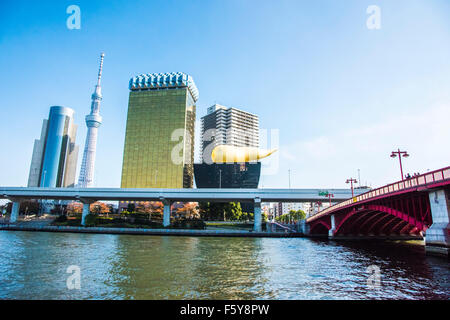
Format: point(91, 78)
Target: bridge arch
point(320, 227)
point(345, 219)
point(382, 219)
point(399, 214)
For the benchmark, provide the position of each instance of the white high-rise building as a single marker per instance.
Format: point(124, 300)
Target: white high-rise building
point(228, 126)
point(93, 122)
point(286, 207)
point(308, 207)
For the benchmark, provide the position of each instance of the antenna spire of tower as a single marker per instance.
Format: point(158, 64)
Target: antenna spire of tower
point(100, 69)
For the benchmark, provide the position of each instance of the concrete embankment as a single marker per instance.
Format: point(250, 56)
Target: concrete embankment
point(141, 231)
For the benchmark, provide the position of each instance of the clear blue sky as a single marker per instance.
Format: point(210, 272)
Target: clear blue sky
point(341, 96)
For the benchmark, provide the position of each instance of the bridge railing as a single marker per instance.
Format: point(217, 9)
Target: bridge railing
point(413, 182)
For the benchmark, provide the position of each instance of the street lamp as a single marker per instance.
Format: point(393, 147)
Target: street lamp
point(220, 178)
point(330, 195)
point(399, 153)
point(319, 203)
point(351, 180)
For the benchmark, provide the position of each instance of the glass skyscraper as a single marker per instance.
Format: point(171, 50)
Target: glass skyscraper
point(55, 154)
point(159, 139)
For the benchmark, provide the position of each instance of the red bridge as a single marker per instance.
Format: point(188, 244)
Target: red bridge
point(405, 208)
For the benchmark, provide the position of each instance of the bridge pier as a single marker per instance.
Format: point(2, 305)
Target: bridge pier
point(14, 211)
point(333, 227)
point(257, 215)
point(166, 214)
point(269, 227)
point(86, 209)
point(303, 227)
point(437, 237)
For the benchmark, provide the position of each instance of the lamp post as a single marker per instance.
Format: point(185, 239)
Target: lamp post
point(330, 195)
point(351, 180)
point(319, 203)
point(220, 178)
point(399, 153)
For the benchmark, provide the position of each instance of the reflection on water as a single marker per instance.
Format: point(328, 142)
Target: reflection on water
point(33, 266)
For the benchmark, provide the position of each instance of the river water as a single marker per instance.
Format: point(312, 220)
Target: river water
point(33, 265)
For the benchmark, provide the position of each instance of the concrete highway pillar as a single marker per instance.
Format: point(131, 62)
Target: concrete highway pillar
point(86, 208)
point(14, 211)
point(333, 227)
point(303, 227)
point(437, 237)
point(166, 215)
point(257, 216)
point(86, 211)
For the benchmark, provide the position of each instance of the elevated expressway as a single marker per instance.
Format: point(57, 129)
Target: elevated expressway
point(168, 196)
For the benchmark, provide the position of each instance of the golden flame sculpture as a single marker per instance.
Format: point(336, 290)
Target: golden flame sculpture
point(232, 154)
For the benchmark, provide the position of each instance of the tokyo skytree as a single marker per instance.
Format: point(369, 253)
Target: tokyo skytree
point(93, 122)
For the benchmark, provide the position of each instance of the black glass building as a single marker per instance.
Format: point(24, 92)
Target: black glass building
point(227, 175)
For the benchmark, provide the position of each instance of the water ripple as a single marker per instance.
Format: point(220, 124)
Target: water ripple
point(149, 267)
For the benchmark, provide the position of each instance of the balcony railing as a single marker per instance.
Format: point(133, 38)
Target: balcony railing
point(413, 182)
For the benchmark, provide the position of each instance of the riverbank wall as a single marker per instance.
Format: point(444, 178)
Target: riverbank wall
point(159, 232)
point(45, 226)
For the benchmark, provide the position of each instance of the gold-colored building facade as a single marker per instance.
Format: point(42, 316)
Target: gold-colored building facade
point(159, 139)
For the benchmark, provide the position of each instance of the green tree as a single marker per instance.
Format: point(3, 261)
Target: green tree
point(264, 217)
point(90, 220)
point(203, 208)
point(233, 211)
point(217, 211)
point(298, 215)
point(292, 216)
point(131, 208)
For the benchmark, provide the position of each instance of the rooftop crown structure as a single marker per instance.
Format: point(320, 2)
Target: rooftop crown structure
point(152, 81)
